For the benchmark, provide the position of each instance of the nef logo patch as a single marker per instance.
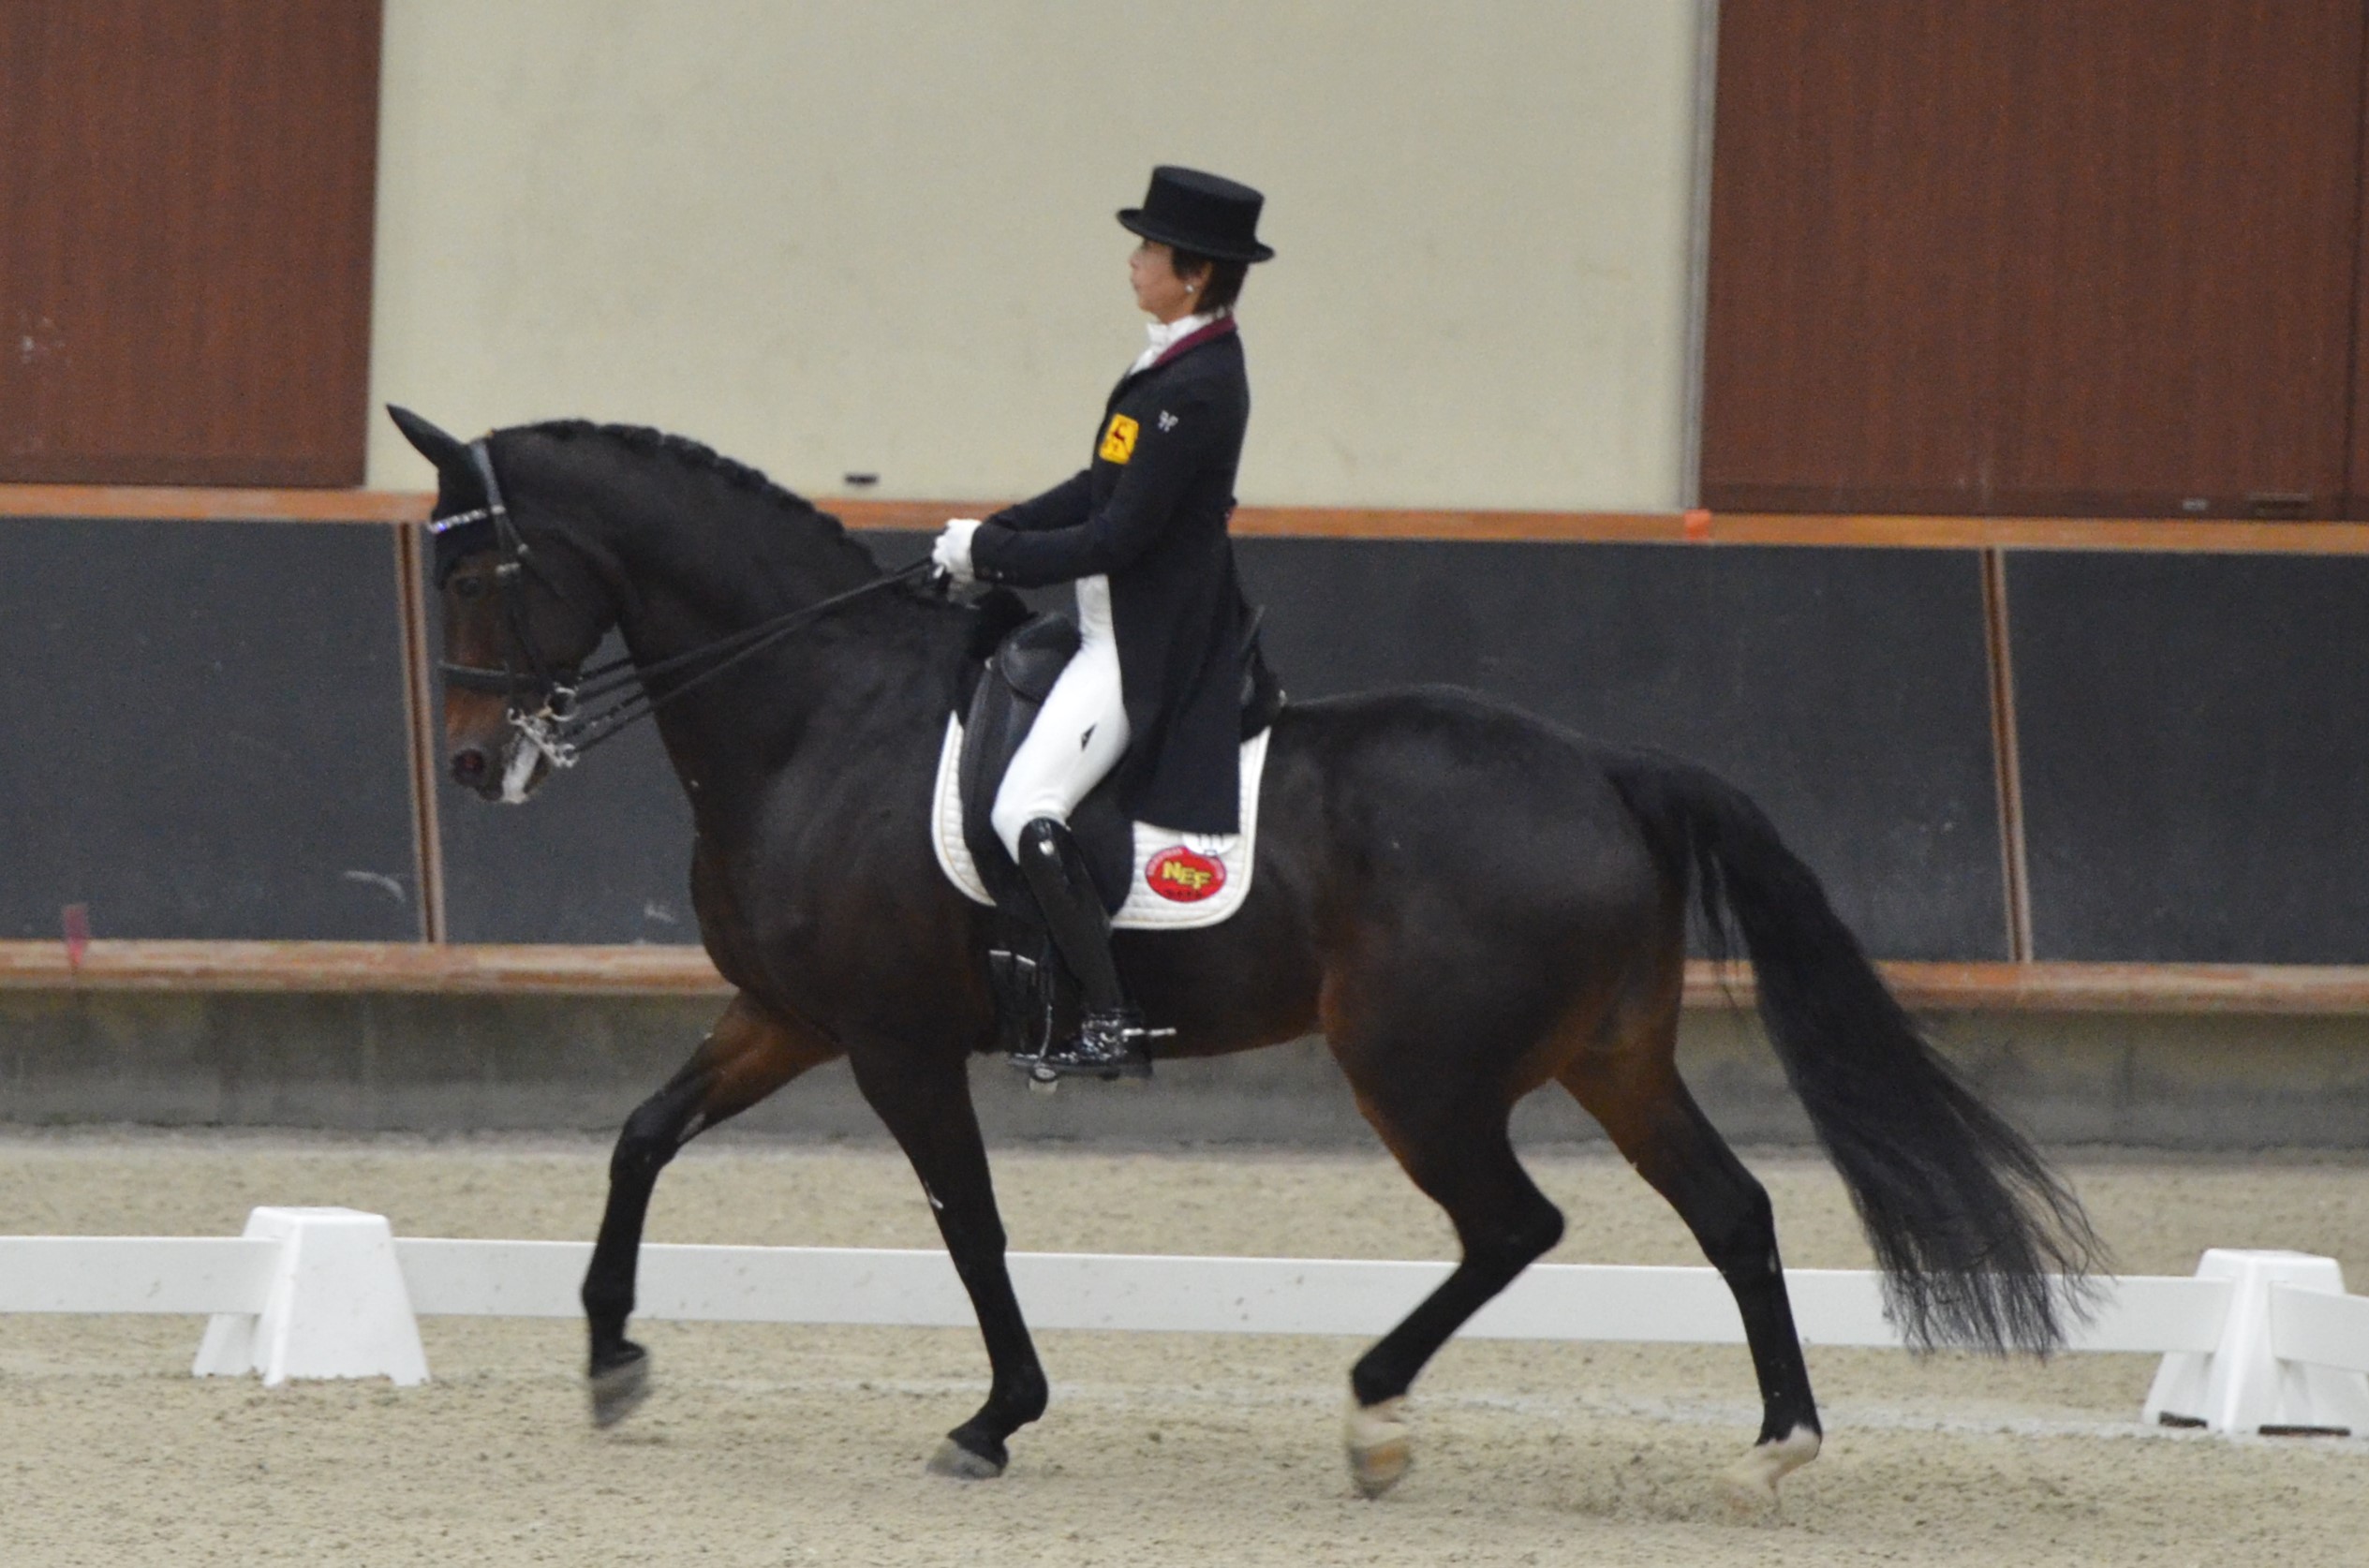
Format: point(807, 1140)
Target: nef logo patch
point(1118, 441)
point(1182, 876)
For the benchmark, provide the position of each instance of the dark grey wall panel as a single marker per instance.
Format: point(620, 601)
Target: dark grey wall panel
point(2194, 740)
point(203, 732)
point(1848, 691)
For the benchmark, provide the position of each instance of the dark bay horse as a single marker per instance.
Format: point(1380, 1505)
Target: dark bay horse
point(1467, 902)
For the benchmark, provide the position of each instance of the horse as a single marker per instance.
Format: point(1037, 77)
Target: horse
point(1466, 901)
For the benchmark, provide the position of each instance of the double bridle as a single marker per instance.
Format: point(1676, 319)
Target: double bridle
point(546, 703)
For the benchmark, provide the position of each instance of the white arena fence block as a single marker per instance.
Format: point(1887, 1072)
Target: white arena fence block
point(1139, 1294)
point(2255, 1341)
point(109, 1274)
point(495, 1279)
point(2290, 1357)
point(2324, 1330)
point(2148, 1314)
point(1219, 1295)
point(1163, 1293)
point(334, 1306)
point(883, 1286)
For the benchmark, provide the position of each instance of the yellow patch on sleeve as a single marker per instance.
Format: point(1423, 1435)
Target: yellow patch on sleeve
point(1118, 441)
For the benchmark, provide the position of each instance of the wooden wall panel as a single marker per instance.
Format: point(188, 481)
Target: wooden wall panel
point(186, 204)
point(2001, 256)
point(2357, 456)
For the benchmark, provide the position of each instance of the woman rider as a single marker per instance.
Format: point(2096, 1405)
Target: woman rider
point(1154, 692)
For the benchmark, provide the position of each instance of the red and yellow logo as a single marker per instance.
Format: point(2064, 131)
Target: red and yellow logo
point(1183, 877)
point(1118, 441)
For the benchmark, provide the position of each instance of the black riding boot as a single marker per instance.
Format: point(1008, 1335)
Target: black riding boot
point(1109, 1035)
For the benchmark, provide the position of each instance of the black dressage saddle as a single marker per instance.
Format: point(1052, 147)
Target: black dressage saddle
point(1006, 691)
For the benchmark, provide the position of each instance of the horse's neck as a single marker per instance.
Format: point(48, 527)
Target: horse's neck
point(804, 704)
point(689, 577)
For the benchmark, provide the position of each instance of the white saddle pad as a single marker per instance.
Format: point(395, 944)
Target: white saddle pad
point(1181, 881)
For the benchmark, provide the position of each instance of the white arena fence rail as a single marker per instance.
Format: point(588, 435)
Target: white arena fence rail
point(2255, 1341)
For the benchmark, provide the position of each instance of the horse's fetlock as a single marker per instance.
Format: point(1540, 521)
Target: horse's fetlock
point(605, 1309)
point(1025, 1396)
point(1793, 1416)
point(1370, 1382)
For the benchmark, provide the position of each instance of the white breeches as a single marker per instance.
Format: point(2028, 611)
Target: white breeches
point(1079, 733)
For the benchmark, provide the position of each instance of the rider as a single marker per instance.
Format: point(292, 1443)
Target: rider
point(1154, 691)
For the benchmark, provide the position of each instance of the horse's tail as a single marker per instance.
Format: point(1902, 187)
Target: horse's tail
point(1968, 1223)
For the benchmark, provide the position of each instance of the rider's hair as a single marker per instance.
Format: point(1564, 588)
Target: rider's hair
point(1220, 281)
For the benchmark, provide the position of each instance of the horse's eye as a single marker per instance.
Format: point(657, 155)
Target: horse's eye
point(469, 588)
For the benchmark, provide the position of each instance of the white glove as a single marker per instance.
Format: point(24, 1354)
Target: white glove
point(952, 550)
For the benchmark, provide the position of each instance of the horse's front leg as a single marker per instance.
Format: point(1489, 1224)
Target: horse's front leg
point(924, 1098)
point(749, 1053)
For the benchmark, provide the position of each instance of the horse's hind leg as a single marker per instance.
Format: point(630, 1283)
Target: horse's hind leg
point(749, 1053)
point(1459, 1153)
point(1634, 1090)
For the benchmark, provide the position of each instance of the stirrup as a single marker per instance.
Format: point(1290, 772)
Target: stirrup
point(1107, 1047)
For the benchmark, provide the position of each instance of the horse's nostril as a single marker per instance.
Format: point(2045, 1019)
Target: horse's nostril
point(468, 766)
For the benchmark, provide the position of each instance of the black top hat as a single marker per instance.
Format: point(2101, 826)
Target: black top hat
point(1203, 213)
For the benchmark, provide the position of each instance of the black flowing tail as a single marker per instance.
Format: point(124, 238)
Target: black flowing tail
point(1981, 1244)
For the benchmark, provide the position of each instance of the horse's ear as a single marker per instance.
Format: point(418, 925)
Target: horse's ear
point(449, 453)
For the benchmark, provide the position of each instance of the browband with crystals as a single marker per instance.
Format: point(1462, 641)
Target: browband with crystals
point(487, 527)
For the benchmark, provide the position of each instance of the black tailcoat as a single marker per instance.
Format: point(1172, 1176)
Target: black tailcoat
point(1151, 514)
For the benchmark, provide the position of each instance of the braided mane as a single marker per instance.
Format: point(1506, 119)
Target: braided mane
point(698, 457)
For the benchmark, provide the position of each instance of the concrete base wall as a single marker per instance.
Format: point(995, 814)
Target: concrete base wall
point(448, 1064)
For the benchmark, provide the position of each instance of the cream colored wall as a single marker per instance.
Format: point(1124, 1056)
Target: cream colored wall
point(877, 237)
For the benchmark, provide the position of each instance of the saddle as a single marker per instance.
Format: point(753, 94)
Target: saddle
point(1002, 693)
point(1014, 659)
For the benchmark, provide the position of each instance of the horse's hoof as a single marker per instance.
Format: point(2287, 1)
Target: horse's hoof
point(953, 1459)
point(1381, 1444)
point(620, 1388)
point(1750, 1484)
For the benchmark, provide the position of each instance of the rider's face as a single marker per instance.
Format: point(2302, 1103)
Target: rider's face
point(1159, 292)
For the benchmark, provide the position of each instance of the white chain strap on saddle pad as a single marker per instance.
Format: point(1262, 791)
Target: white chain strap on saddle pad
point(1181, 881)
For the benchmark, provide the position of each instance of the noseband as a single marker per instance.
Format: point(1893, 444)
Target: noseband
point(544, 702)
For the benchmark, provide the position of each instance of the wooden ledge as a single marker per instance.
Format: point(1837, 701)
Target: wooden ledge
point(2172, 536)
point(203, 504)
point(360, 966)
point(2170, 988)
point(2169, 536)
point(465, 969)
point(2146, 536)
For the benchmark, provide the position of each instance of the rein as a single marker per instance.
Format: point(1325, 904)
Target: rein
point(563, 732)
point(558, 728)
